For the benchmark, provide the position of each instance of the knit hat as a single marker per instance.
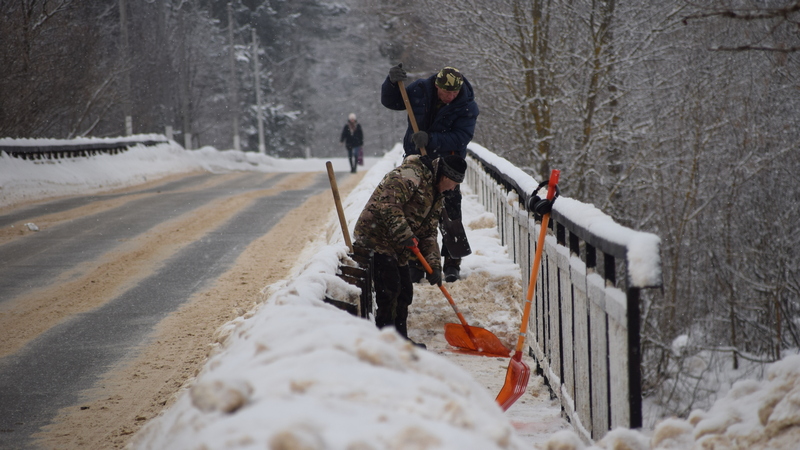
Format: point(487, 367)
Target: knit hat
point(352, 116)
point(453, 167)
point(449, 79)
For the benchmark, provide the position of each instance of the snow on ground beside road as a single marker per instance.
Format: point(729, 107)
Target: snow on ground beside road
point(298, 373)
point(24, 180)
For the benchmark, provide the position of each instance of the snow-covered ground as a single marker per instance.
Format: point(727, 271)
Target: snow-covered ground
point(296, 373)
point(23, 180)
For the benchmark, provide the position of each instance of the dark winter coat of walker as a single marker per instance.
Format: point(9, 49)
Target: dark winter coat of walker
point(402, 212)
point(446, 112)
point(353, 139)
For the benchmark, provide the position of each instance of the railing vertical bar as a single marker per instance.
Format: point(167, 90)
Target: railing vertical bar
point(634, 358)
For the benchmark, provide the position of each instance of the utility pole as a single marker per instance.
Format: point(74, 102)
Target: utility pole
point(234, 97)
point(183, 57)
point(261, 147)
point(126, 104)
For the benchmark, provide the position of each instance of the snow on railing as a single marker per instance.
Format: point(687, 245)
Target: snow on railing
point(38, 149)
point(584, 325)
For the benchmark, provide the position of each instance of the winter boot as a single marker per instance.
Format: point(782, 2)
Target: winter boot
point(452, 269)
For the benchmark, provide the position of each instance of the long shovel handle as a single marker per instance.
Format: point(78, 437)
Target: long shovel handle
point(410, 112)
point(523, 329)
point(339, 210)
point(447, 295)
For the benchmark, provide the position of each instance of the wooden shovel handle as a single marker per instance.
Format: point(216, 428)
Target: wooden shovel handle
point(410, 112)
point(339, 210)
point(537, 260)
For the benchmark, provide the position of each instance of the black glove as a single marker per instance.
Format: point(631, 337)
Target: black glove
point(420, 139)
point(435, 277)
point(397, 73)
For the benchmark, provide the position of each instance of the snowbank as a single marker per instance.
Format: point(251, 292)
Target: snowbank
point(754, 414)
point(24, 181)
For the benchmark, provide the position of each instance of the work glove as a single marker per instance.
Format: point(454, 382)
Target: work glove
point(420, 139)
point(435, 277)
point(397, 73)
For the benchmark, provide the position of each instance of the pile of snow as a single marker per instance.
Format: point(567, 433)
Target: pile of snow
point(302, 374)
point(754, 414)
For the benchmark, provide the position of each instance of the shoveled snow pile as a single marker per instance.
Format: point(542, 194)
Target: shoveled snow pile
point(298, 373)
point(753, 415)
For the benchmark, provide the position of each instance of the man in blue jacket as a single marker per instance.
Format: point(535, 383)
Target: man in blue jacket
point(446, 112)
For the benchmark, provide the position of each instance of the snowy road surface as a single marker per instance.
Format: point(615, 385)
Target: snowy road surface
point(49, 356)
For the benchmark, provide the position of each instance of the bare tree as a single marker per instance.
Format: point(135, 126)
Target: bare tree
point(656, 114)
point(765, 27)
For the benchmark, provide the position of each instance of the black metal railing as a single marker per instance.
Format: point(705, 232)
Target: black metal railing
point(584, 324)
point(67, 148)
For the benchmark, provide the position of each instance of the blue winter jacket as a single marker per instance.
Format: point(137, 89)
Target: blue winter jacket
point(449, 129)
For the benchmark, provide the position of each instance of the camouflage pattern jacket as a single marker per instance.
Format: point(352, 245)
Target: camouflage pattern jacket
point(404, 204)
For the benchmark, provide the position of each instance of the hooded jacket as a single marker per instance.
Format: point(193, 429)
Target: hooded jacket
point(450, 127)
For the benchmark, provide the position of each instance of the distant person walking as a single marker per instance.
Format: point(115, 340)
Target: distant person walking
point(353, 139)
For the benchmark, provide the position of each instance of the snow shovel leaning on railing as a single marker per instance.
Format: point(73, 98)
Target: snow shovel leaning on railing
point(518, 372)
point(478, 340)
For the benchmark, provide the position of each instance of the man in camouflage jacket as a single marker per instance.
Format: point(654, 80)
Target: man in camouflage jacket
point(403, 212)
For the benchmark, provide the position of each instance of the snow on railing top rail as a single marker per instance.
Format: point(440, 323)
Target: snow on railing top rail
point(41, 148)
point(48, 142)
point(639, 249)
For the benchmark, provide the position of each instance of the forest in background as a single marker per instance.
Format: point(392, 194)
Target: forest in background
point(69, 68)
point(675, 117)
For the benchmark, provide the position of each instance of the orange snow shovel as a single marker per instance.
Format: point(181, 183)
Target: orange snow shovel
point(478, 340)
point(518, 372)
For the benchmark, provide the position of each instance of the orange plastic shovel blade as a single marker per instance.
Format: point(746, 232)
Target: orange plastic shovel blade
point(516, 382)
point(486, 342)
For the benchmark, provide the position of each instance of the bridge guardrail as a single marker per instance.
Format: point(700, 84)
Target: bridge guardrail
point(584, 328)
point(42, 149)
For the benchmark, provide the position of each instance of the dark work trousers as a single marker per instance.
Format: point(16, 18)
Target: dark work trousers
point(449, 261)
point(452, 202)
point(393, 293)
